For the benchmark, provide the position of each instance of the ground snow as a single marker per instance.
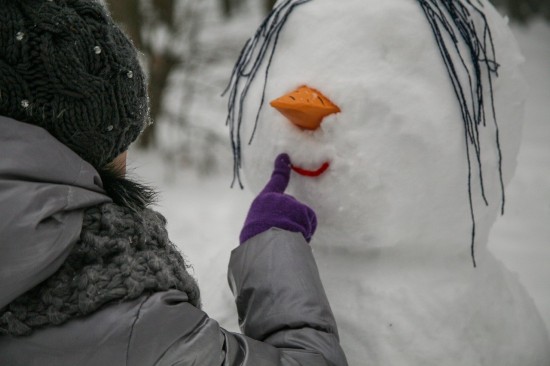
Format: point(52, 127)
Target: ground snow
point(521, 239)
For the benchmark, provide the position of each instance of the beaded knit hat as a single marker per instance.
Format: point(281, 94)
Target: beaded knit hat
point(66, 67)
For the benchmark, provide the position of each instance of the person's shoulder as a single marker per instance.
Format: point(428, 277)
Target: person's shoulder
point(97, 338)
point(169, 328)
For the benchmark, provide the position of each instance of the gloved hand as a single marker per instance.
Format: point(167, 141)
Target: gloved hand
point(272, 208)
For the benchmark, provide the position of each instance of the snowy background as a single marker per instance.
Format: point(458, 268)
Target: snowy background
point(205, 215)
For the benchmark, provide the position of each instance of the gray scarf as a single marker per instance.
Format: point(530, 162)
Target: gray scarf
point(121, 255)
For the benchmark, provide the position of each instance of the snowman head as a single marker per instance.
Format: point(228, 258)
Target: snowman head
point(423, 122)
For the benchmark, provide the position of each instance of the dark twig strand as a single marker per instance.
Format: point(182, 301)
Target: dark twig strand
point(257, 49)
point(454, 26)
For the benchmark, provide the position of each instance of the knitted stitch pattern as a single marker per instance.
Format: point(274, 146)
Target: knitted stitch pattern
point(120, 256)
point(66, 67)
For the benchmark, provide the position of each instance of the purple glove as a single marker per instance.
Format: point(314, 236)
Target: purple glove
point(273, 208)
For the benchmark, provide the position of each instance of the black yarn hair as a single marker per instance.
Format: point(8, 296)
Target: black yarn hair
point(126, 192)
point(260, 47)
point(453, 22)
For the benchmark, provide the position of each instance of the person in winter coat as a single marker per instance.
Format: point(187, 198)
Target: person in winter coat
point(88, 275)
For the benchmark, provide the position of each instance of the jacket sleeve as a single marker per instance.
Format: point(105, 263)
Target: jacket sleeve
point(281, 301)
point(283, 313)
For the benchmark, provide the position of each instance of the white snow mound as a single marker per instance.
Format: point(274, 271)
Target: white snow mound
point(395, 226)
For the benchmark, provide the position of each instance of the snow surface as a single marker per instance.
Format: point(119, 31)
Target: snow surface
point(521, 238)
point(205, 216)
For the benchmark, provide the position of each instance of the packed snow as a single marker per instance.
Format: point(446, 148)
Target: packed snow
point(205, 216)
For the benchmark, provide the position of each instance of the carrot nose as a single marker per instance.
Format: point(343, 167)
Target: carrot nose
point(305, 107)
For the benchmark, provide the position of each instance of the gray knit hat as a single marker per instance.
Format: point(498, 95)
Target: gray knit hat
point(65, 66)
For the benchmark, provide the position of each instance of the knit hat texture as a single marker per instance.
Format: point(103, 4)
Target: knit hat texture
point(66, 67)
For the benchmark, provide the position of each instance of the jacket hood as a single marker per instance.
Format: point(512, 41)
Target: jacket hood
point(44, 189)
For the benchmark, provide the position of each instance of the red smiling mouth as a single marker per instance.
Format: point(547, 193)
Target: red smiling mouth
point(311, 173)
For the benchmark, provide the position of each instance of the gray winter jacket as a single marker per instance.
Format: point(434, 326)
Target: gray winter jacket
point(44, 187)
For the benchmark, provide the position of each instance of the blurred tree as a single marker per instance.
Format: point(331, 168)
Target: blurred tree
point(269, 5)
point(523, 10)
point(166, 32)
point(229, 7)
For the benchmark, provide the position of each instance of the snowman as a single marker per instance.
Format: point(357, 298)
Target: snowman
point(402, 119)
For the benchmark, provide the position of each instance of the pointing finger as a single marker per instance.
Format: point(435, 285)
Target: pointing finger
point(281, 175)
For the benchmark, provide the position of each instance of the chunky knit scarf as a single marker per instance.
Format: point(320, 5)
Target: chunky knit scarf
point(120, 256)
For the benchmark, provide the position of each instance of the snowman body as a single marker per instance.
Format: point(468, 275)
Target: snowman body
point(394, 312)
point(394, 244)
